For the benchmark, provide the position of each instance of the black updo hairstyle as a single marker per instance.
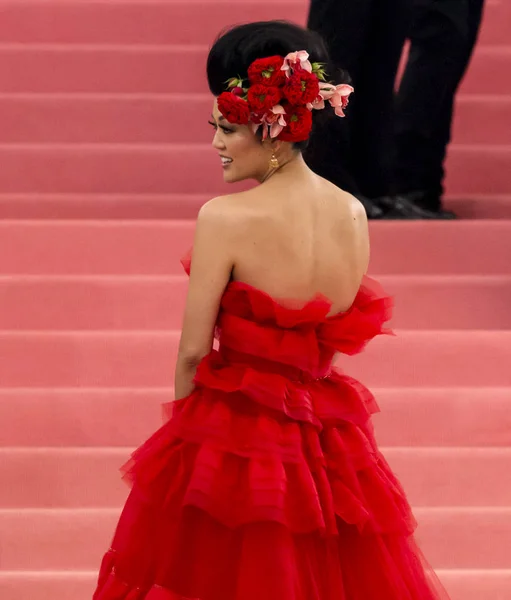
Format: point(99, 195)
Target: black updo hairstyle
point(237, 48)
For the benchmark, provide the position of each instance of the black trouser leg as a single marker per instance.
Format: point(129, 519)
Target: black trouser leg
point(373, 112)
point(344, 26)
point(365, 38)
point(443, 36)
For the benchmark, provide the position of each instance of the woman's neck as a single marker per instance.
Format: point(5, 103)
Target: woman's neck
point(292, 166)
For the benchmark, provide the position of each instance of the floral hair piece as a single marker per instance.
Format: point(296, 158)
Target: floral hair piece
point(281, 95)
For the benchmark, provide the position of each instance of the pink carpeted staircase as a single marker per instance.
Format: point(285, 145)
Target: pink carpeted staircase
point(104, 162)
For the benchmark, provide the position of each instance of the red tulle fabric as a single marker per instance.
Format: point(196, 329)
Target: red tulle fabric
point(266, 483)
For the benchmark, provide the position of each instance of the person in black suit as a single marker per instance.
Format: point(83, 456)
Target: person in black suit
point(442, 38)
point(366, 39)
point(389, 152)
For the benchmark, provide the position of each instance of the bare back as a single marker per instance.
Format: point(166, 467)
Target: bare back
point(299, 237)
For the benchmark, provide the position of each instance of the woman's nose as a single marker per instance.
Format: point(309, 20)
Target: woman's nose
point(217, 141)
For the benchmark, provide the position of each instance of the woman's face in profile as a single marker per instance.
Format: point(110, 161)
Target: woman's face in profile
point(241, 153)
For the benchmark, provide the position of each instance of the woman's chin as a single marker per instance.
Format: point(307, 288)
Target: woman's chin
point(231, 177)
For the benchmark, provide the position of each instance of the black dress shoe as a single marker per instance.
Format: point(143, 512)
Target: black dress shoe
point(444, 215)
point(373, 211)
point(400, 207)
point(424, 200)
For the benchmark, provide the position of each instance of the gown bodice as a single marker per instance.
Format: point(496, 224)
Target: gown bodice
point(256, 330)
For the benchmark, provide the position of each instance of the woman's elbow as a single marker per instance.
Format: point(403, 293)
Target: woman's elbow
point(191, 357)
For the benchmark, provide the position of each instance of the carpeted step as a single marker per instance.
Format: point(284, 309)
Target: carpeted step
point(49, 585)
point(88, 477)
point(445, 417)
point(154, 247)
point(147, 358)
point(138, 302)
point(181, 117)
point(461, 584)
point(137, 68)
point(104, 302)
point(494, 128)
point(450, 302)
point(141, 21)
point(479, 80)
point(173, 168)
point(160, 22)
point(112, 168)
point(495, 206)
point(478, 169)
point(106, 118)
point(57, 539)
point(83, 416)
point(113, 206)
point(124, 68)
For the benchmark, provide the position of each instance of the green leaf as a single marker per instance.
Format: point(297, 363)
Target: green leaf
point(319, 71)
point(234, 82)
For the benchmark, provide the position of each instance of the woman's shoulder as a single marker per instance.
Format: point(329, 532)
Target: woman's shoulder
point(228, 205)
point(345, 202)
point(233, 212)
point(220, 211)
point(223, 219)
point(353, 209)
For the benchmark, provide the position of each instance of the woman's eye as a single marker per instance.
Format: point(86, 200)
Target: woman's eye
point(224, 129)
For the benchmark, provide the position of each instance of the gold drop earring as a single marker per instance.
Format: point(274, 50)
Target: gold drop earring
point(274, 161)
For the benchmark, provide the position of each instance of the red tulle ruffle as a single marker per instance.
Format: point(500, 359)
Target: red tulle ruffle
point(242, 463)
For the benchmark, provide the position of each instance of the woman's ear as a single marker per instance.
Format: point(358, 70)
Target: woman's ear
point(273, 145)
point(276, 145)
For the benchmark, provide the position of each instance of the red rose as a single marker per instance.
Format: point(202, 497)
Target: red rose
point(267, 71)
point(301, 88)
point(262, 98)
point(299, 124)
point(233, 108)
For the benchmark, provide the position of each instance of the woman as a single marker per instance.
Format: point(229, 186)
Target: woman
point(266, 482)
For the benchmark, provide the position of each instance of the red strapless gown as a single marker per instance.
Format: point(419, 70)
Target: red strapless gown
point(266, 482)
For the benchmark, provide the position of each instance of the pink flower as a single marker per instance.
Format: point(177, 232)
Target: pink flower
point(296, 60)
point(273, 122)
point(337, 95)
